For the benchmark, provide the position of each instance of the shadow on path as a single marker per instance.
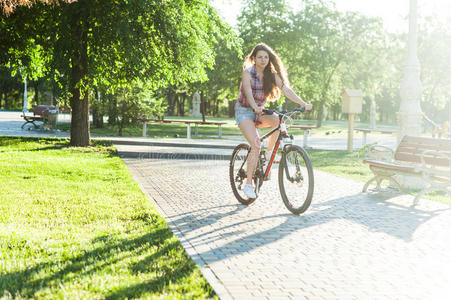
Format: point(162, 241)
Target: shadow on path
point(376, 214)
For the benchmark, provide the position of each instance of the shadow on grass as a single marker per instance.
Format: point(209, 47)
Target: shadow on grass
point(20, 140)
point(166, 260)
point(44, 144)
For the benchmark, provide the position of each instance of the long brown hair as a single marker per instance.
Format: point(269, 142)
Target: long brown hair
point(275, 66)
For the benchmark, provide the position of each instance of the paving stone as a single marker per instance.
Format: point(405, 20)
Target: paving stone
point(348, 245)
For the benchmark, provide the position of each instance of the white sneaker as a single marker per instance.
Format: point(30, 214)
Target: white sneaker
point(249, 191)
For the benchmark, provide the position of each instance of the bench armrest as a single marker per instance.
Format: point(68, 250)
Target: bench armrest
point(26, 113)
point(378, 152)
point(431, 173)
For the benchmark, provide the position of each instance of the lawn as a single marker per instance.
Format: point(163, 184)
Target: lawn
point(74, 224)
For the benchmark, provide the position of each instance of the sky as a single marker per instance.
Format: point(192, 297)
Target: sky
point(393, 12)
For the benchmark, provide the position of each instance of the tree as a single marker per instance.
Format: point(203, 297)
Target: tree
point(327, 40)
point(224, 78)
point(266, 21)
point(114, 43)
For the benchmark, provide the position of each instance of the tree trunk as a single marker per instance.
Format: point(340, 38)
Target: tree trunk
point(6, 101)
point(112, 111)
point(181, 104)
point(79, 102)
point(95, 114)
point(202, 105)
point(101, 112)
point(123, 120)
point(175, 104)
point(231, 108)
point(216, 110)
point(170, 96)
point(320, 116)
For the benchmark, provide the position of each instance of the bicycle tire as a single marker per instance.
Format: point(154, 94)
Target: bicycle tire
point(237, 175)
point(296, 193)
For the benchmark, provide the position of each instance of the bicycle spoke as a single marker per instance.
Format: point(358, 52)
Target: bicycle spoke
point(296, 180)
point(238, 172)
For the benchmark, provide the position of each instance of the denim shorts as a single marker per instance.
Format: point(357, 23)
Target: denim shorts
point(243, 113)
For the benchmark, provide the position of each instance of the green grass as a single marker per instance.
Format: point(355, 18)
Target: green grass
point(73, 224)
point(350, 165)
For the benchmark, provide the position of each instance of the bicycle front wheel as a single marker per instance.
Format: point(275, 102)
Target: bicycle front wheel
point(296, 179)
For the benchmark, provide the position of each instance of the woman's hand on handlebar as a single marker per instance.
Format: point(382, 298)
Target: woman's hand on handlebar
point(308, 106)
point(258, 110)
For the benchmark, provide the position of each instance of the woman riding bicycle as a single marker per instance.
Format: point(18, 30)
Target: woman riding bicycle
point(264, 77)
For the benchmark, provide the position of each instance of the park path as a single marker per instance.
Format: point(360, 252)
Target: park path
point(348, 245)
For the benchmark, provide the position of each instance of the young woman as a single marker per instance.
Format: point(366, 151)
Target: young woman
point(264, 78)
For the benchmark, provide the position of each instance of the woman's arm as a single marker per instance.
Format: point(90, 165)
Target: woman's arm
point(290, 94)
point(247, 89)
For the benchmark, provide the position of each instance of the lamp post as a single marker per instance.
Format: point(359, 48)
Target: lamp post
point(410, 114)
point(25, 96)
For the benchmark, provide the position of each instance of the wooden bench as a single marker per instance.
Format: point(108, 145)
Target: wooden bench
point(40, 113)
point(307, 129)
point(365, 132)
point(425, 157)
point(188, 124)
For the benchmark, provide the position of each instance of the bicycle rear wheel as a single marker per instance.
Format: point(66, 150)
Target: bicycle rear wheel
point(296, 179)
point(238, 173)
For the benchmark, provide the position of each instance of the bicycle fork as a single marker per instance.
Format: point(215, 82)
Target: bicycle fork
point(297, 174)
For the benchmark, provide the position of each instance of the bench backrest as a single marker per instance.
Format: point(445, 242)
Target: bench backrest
point(42, 110)
point(411, 147)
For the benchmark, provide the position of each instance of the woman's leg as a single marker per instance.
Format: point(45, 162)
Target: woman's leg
point(249, 131)
point(270, 121)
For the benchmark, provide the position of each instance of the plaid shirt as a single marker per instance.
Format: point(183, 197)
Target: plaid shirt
point(257, 90)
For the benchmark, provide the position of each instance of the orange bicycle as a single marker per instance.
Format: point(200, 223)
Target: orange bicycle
point(296, 182)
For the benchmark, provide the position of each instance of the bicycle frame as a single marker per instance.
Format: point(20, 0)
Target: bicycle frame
point(275, 149)
point(273, 154)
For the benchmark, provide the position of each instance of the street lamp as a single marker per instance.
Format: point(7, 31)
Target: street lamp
point(410, 115)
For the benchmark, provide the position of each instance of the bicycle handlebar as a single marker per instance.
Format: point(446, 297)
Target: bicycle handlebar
point(284, 112)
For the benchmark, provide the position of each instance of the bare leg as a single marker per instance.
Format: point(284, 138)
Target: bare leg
point(249, 131)
point(270, 121)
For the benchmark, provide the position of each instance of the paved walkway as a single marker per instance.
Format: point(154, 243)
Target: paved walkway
point(348, 245)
